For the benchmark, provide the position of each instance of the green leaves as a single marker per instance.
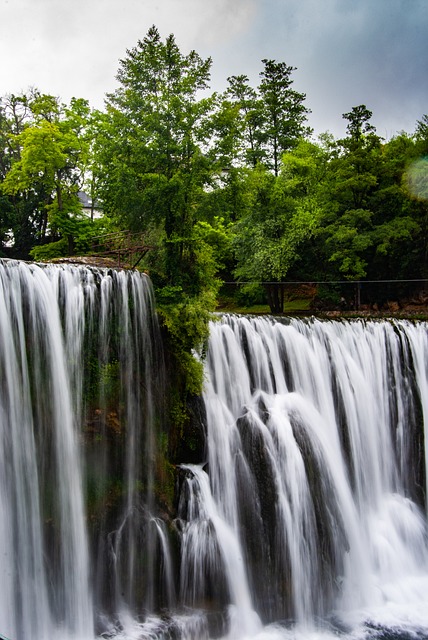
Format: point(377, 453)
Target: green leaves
point(222, 182)
point(283, 212)
point(51, 145)
point(272, 118)
point(157, 130)
point(358, 122)
point(347, 241)
point(43, 155)
point(283, 111)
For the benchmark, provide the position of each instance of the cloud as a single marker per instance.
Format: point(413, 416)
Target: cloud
point(73, 46)
point(219, 22)
point(347, 52)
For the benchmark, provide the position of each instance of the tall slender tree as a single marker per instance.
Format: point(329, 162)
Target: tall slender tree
point(273, 116)
point(154, 141)
point(282, 213)
point(249, 104)
point(283, 112)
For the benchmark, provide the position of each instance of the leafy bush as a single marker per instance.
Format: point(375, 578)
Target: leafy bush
point(250, 294)
point(49, 251)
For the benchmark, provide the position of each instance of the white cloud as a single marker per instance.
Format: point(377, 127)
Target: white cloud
point(346, 51)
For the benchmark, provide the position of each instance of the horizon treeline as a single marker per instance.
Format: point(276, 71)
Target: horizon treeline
point(225, 186)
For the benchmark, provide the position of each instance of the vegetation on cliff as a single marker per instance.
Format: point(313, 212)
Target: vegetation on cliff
point(224, 187)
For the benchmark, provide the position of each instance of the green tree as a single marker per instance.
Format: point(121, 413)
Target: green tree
point(157, 162)
point(284, 113)
point(19, 219)
point(273, 117)
point(421, 135)
point(153, 147)
point(50, 165)
point(250, 120)
point(396, 228)
point(358, 124)
point(372, 228)
point(283, 212)
point(351, 182)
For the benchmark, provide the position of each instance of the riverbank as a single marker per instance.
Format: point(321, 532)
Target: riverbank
point(302, 308)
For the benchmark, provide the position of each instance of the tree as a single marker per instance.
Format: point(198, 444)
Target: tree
point(153, 148)
point(371, 228)
point(273, 117)
point(396, 229)
point(250, 118)
point(49, 167)
point(352, 180)
point(421, 135)
point(283, 112)
point(283, 212)
point(358, 123)
point(156, 165)
point(18, 222)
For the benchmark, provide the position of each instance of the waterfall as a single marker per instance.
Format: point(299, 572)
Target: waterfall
point(41, 473)
point(304, 515)
point(316, 469)
point(78, 365)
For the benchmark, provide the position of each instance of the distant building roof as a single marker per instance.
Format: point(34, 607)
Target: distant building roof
point(85, 200)
point(89, 207)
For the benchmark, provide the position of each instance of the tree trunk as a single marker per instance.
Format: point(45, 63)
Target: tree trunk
point(70, 241)
point(275, 296)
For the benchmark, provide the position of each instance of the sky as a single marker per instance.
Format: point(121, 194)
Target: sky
point(346, 52)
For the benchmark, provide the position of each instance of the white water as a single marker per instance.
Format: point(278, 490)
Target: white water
point(327, 413)
point(55, 324)
point(24, 575)
point(204, 511)
point(306, 520)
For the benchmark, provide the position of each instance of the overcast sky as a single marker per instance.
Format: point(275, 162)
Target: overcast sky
point(347, 52)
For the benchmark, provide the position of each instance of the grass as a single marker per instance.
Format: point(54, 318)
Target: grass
point(228, 305)
point(301, 305)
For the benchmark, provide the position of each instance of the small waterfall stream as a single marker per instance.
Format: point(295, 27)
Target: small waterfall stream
point(305, 518)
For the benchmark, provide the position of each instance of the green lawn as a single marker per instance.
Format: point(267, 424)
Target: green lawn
point(291, 306)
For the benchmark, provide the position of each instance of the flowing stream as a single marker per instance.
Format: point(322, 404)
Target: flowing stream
point(305, 516)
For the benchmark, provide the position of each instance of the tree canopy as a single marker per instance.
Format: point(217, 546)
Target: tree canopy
point(225, 185)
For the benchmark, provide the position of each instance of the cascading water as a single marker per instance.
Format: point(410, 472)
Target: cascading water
point(315, 451)
point(40, 472)
point(78, 368)
point(306, 516)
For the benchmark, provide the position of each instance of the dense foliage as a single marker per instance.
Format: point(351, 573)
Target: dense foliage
point(225, 186)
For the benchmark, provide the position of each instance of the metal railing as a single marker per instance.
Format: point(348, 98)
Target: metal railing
point(128, 247)
point(349, 294)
